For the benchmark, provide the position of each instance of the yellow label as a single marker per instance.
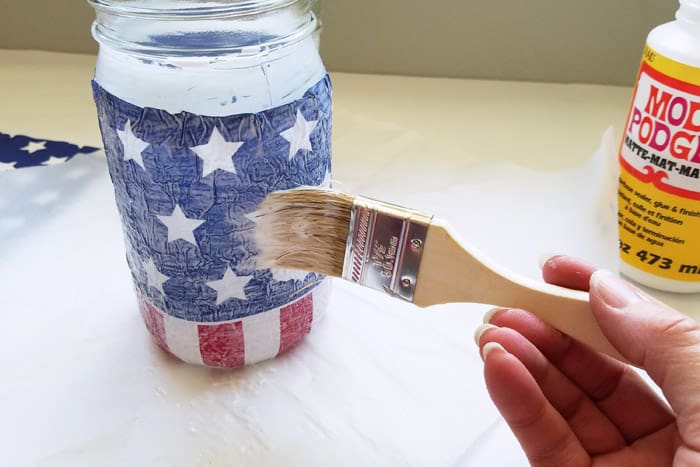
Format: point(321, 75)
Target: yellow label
point(659, 190)
point(678, 70)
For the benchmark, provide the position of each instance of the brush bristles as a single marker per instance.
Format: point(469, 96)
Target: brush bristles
point(304, 229)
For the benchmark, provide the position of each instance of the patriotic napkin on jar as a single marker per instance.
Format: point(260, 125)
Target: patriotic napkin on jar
point(187, 187)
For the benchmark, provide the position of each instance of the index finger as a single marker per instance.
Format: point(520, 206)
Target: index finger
point(567, 271)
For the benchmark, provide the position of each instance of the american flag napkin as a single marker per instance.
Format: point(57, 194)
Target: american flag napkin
point(187, 187)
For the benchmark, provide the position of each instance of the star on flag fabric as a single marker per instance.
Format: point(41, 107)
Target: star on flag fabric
point(19, 151)
point(187, 187)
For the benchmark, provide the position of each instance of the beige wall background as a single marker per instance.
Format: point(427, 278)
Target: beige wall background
point(589, 41)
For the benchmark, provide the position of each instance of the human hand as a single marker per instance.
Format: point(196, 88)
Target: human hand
point(571, 406)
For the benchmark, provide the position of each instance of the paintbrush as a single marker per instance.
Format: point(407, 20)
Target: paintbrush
point(406, 254)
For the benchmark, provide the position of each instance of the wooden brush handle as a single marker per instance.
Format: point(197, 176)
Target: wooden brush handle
point(450, 273)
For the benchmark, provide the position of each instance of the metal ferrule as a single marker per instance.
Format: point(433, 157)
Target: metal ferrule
point(384, 247)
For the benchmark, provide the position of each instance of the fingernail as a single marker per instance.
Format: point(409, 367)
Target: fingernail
point(546, 257)
point(614, 290)
point(489, 314)
point(480, 330)
point(490, 347)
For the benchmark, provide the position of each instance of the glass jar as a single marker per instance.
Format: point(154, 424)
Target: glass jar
point(204, 109)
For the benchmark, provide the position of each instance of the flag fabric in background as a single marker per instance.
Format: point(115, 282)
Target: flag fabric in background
point(19, 151)
point(32, 196)
point(27, 196)
point(187, 188)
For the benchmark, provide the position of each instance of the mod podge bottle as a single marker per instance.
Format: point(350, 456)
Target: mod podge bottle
point(659, 187)
point(204, 109)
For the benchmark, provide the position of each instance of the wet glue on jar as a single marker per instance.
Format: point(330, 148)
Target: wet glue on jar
point(659, 186)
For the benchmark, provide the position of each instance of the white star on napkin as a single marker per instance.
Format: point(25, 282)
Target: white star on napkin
point(133, 146)
point(230, 286)
point(154, 277)
point(217, 153)
point(253, 216)
point(180, 226)
point(327, 181)
point(299, 135)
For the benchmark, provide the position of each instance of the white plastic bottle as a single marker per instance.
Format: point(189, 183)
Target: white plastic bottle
point(659, 188)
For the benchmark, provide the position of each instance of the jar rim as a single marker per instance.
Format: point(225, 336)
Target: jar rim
point(217, 9)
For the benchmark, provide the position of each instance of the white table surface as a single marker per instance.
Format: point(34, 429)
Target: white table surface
point(520, 170)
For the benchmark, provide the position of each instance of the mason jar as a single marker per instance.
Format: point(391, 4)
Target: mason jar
point(204, 109)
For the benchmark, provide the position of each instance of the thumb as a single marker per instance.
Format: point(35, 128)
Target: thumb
point(653, 336)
